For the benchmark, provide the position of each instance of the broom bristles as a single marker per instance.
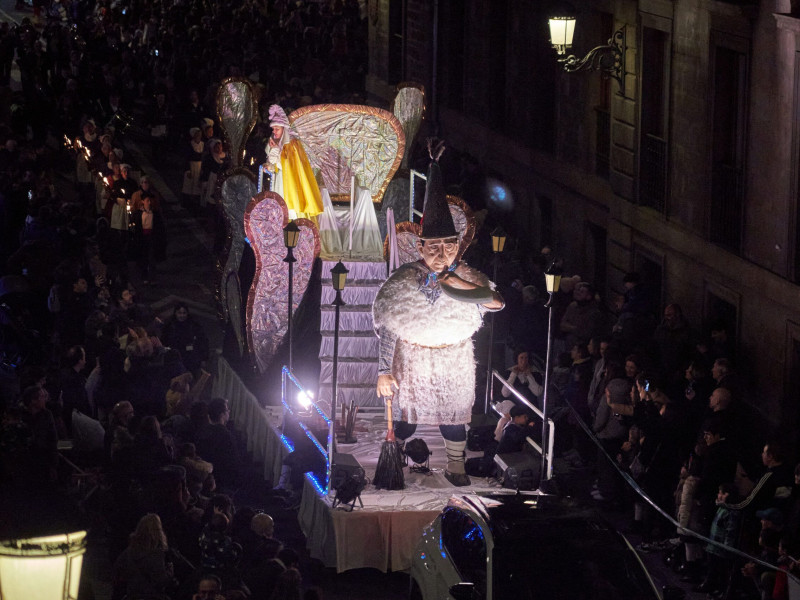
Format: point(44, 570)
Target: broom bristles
point(389, 471)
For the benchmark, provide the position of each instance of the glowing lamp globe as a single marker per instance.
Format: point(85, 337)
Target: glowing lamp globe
point(339, 276)
point(46, 568)
point(552, 279)
point(562, 30)
point(291, 235)
point(498, 240)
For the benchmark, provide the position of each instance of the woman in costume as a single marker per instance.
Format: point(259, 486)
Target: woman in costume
point(292, 175)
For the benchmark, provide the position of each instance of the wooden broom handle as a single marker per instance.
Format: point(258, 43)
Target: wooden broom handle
point(390, 423)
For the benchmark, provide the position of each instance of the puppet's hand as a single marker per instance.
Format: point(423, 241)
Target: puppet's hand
point(452, 280)
point(386, 386)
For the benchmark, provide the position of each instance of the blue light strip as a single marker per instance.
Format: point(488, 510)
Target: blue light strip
point(288, 443)
point(313, 438)
point(320, 490)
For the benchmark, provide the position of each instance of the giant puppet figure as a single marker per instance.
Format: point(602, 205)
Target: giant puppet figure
point(292, 176)
point(425, 315)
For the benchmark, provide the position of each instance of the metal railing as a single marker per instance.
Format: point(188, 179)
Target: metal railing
point(523, 400)
point(411, 211)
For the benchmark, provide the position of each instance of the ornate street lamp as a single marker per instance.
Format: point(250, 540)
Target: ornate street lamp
point(552, 280)
point(338, 277)
point(47, 567)
point(608, 59)
point(291, 235)
point(498, 243)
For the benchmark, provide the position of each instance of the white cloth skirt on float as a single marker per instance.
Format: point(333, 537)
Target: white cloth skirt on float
point(335, 224)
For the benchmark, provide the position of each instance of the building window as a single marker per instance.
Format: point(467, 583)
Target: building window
point(597, 256)
point(653, 145)
point(396, 40)
point(602, 156)
point(729, 61)
point(451, 71)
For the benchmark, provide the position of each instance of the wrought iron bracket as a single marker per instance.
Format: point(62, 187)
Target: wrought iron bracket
point(608, 59)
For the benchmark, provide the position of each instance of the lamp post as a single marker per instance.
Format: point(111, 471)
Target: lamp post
point(498, 243)
point(338, 277)
point(608, 59)
point(291, 235)
point(42, 567)
point(552, 279)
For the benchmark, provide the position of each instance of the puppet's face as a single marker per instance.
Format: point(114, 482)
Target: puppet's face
point(439, 253)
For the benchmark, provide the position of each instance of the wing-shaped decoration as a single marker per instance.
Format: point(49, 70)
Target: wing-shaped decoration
point(346, 139)
point(267, 302)
point(236, 190)
point(408, 233)
point(409, 108)
point(237, 112)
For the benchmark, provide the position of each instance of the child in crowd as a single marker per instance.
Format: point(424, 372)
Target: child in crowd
point(218, 552)
point(725, 532)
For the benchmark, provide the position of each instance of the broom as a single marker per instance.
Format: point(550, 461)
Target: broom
point(389, 472)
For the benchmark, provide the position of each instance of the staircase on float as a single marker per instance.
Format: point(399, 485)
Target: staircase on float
point(358, 344)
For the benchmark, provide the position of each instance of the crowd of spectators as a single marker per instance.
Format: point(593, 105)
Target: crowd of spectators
point(83, 361)
point(666, 407)
point(89, 373)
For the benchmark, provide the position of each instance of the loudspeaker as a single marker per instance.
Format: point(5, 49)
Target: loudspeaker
point(519, 470)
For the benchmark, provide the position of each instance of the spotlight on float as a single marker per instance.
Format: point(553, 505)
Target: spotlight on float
point(419, 453)
point(42, 567)
point(305, 399)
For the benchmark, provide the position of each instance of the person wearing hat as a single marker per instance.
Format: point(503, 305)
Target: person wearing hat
point(517, 430)
point(83, 162)
point(149, 232)
point(292, 176)
point(213, 167)
point(771, 518)
point(118, 212)
point(425, 314)
point(191, 178)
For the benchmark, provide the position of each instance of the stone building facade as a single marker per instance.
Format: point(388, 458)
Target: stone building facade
point(688, 172)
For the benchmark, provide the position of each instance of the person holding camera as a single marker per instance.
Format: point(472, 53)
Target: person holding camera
point(521, 426)
point(522, 377)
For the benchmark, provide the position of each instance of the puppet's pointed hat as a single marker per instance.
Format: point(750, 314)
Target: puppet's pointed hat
point(437, 222)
